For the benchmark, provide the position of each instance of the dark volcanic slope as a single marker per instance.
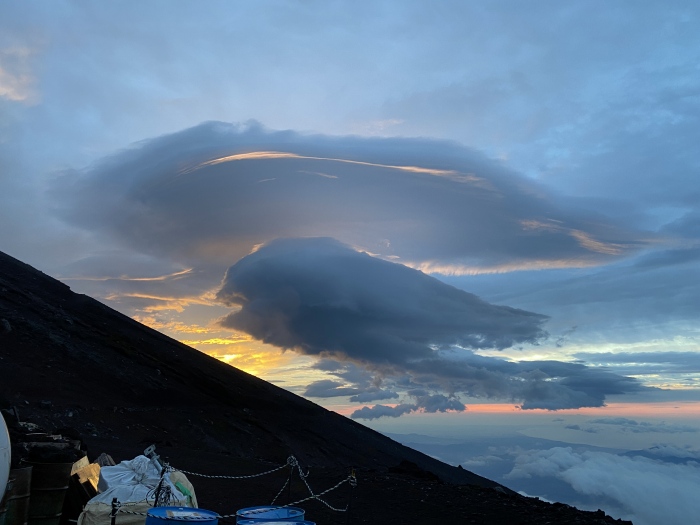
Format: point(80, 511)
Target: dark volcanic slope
point(97, 363)
point(67, 360)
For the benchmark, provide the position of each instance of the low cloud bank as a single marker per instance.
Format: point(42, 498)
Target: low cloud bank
point(643, 427)
point(648, 491)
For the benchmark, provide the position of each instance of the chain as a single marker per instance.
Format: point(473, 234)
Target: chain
point(232, 477)
point(291, 462)
point(350, 479)
point(318, 496)
point(280, 492)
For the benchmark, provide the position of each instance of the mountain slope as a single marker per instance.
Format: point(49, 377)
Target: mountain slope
point(67, 360)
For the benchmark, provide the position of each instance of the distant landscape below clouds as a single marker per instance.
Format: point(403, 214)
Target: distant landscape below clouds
point(629, 484)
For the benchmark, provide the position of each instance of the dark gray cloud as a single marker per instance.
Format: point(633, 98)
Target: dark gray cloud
point(318, 296)
point(348, 371)
point(425, 403)
point(378, 411)
point(439, 403)
point(329, 388)
point(368, 387)
point(384, 328)
point(550, 385)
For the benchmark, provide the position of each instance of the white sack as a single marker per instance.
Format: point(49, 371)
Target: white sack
point(133, 483)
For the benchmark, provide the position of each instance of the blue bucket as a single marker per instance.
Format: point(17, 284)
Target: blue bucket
point(256, 522)
point(269, 514)
point(178, 515)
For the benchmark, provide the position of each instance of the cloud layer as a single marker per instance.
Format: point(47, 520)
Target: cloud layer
point(641, 487)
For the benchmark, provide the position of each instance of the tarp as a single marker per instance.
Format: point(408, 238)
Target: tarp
point(134, 484)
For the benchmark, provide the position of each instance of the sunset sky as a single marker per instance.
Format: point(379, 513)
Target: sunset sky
point(406, 211)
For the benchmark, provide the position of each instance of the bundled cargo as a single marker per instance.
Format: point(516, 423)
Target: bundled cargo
point(136, 484)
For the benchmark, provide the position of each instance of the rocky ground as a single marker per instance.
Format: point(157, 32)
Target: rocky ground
point(73, 366)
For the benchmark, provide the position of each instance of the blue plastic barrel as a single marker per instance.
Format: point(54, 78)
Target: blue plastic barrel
point(269, 514)
point(256, 522)
point(180, 516)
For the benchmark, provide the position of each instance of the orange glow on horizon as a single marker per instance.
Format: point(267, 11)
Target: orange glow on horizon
point(659, 409)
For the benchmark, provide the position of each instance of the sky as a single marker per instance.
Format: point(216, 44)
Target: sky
point(407, 212)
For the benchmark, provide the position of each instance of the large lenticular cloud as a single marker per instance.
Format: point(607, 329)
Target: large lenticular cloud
point(210, 193)
point(383, 328)
point(319, 296)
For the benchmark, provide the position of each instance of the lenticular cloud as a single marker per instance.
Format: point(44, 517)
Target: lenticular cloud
point(317, 296)
point(389, 332)
point(208, 194)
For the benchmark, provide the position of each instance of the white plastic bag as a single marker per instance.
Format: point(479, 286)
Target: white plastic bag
point(134, 484)
point(139, 475)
